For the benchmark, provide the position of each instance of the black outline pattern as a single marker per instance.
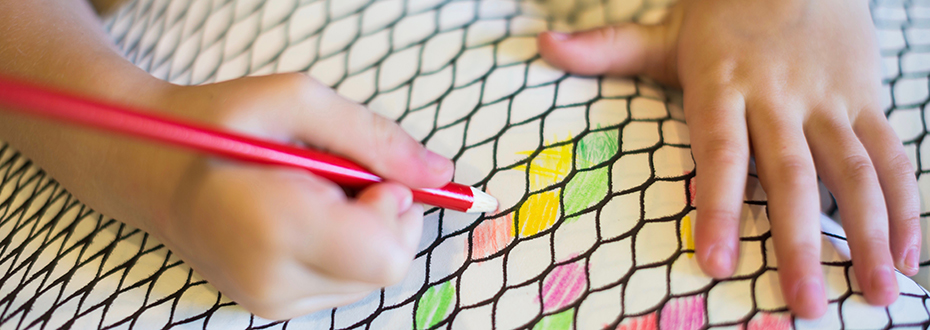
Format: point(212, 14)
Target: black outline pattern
point(66, 266)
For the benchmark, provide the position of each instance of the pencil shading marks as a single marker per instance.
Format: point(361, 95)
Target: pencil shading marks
point(491, 236)
point(559, 321)
point(645, 322)
point(435, 305)
point(585, 189)
point(539, 212)
point(687, 235)
point(767, 321)
point(549, 167)
point(685, 313)
point(564, 285)
point(596, 148)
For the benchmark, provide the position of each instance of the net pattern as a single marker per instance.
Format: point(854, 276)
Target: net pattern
point(594, 175)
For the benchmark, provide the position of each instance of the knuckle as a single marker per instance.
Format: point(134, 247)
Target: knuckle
point(875, 239)
point(858, 168)
point(717, 215)
point(901, 168)
point(799, 251)
point(260, 295)
point(392, 273)
point(385, 134)
point(723, 151)
point(907, 224)
point(298, 81)
point(793, 169)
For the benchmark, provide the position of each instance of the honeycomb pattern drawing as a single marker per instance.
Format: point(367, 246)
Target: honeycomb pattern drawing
point(594, 175)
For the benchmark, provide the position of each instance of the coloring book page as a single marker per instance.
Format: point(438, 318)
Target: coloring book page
point(594, 176)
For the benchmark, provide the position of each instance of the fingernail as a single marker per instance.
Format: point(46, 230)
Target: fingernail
point(405, 202)
point(436, 163)
point(560, 36)
point(910, 259)
point(809, 293)
point(883, 279)
point(720, 257)
point(402, 196)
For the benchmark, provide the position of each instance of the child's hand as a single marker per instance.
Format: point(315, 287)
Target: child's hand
point(798, 82)
point(280, 242)
point(283, 242)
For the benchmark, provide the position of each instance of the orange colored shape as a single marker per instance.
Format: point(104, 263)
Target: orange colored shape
point(539, 212)
point(687, 235)
point(645, 322)
point(491, 236)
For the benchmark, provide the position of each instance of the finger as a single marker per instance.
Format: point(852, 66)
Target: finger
point(787, 173)
point(349, 129)
point(623, 50)
point(899, 186)
point(721, 153)
point(369, 238)
point(409, 217)
point(305, 306)
point(387, 199)
point(847, 171)
point(317, 303)
point(274, 213)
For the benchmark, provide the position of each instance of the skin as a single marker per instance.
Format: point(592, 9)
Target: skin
point(282, 243)
point(798, 83)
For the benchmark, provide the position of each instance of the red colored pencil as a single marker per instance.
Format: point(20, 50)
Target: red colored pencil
point(34, 100)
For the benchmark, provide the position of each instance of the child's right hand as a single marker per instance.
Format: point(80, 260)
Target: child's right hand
point(280, 242)
point(283, 242)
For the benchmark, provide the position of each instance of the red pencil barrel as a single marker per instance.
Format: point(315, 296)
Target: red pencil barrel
point(34, 100)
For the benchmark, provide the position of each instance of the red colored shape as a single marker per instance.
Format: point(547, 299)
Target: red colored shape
point(492, 235)
point(645, 322)
point(686, 313)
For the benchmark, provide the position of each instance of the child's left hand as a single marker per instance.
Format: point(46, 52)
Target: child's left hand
point(798, 82)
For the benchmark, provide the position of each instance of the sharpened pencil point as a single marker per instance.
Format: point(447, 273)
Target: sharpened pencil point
point(483, 202)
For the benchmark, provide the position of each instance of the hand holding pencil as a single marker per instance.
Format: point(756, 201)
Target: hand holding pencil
point(259, 232)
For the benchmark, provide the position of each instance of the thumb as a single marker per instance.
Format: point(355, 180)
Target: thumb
point(623, 50)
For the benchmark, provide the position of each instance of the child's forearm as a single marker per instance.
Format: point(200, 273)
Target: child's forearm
point(62, 44)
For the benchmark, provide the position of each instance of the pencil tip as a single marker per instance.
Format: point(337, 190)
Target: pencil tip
point(483, 202)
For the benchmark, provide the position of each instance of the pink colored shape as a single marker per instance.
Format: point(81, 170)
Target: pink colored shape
point(645, 322)
point(766, 321)
point(684, 313)
point(491, 236)
point(564, 285)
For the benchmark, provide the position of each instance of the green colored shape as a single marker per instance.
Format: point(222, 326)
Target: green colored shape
point(560, 321)
point(435, 305)
point(586, 188)
point(596, 148)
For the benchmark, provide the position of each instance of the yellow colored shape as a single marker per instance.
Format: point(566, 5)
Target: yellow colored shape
point(549, 167)
point(687, 235)
point(539, 212)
